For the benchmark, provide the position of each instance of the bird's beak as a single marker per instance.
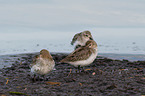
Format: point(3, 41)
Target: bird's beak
point(91, 38)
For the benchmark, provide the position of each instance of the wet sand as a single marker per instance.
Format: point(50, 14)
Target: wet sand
point(102, 78)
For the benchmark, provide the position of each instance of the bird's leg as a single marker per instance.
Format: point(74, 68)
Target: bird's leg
point(79, 67)
point(44, 77)
point(34, 78)
point(69, 72)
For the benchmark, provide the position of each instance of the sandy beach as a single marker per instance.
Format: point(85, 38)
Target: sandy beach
point(102, 78)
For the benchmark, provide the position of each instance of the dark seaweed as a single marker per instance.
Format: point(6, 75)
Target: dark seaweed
point(103, 77)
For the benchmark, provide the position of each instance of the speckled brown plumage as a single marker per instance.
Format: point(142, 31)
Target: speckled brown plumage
point(81, 38)
point(83, 53)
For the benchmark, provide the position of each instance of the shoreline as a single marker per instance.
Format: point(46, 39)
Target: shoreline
point(7, 60)
point(69, 52)
point(99, 54)
point(103, 77)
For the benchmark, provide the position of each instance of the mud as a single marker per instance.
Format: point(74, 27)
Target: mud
point(104, 77)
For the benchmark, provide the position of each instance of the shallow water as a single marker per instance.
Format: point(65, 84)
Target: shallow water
point(130, 57)
point(109, 40)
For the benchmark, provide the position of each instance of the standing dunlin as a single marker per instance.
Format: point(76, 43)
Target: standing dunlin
point(82, 56)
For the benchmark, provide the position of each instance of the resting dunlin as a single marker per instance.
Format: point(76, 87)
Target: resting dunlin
point(42, 63)
point(82, 56)
point(80, 39)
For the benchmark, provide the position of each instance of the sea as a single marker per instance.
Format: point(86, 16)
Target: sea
point(115, 43)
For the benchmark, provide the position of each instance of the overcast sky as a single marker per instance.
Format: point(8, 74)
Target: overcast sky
point(65, 15)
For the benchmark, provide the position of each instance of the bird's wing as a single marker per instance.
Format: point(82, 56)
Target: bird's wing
point(74, 38)
point(34, 60)
point(80, 54)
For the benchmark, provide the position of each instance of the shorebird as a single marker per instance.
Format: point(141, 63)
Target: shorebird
point(81, 38)
point(42, 64)
point(83, 55)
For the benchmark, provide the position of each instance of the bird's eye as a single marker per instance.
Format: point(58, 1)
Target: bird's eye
point(86, 35)
point(90, 44)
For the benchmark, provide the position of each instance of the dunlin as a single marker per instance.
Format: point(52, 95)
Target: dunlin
point(42, 64)
point(82, 56)
point(81, 38)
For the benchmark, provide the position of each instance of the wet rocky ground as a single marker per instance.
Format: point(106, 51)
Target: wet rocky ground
point(104, 77)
